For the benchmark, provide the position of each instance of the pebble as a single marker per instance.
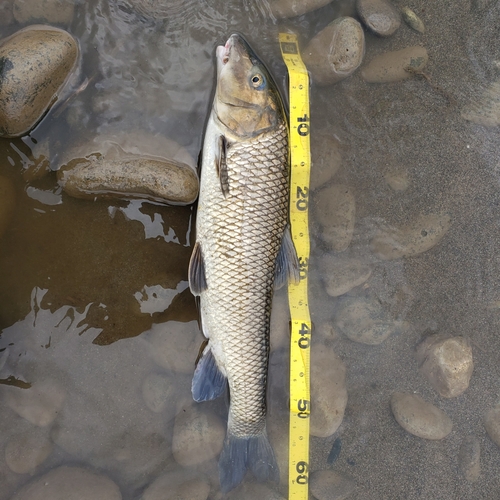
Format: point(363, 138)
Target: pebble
point(130, 165)
point(326, 158)
point(446, 362)
point(469, 458)
point(25, 452)
point(185, 337)
point(420, 418)
point(412, 20)
point(39, 404)
point(364, 320)
point(158, 392)
point(37, 62)
point(492, 424)
point(331, 485)
point(335, 52)
point(64, 483)
point(485, 110)
point(177, 486)
point(198, 436)
point(291, 8)
point(425, 232)
point(340, 275)
point(49, 11)
point(395, 66)
point(379, 16)
point(7, 203)
point(335, 211)
point(328, 391)
point(397, 178)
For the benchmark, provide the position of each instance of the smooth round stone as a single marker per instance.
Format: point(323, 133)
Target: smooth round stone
point(66, 483)
point(187, 341)
point(331, 485)
point(291, 8)
point(328, 391)
point(159, 392)
point(7, 203)
point(36, 63)
point(469, 458)
point(39, 404)
point(364, 321)
point(446, 362)
point(420, 418)
point(335, 210)
point(25, 452)
point(492, 424)
point(326, 158)
point(336, 52)
point(485, 109)
point(395, 66)
point(425, 232)
point(198, 436)
point(379, 16)
point(341, 275)
point(412, 20)
point(397, 178)
point(49, 11)
point(176, 486)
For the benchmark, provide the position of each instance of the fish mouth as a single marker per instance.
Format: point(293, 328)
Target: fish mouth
point(236, 47)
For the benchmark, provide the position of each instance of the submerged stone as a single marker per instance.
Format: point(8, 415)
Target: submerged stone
point(380, 16)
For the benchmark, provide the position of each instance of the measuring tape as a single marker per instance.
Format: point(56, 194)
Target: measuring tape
point(300, 343)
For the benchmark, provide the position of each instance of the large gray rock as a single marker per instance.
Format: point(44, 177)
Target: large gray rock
point(36, 63)
point(380, 16)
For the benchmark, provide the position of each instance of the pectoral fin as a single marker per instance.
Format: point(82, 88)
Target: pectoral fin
point(208, 381)
point(287, 263)
point(221, 164)
point(196, 271)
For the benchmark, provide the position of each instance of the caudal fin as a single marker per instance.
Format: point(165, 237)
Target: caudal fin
point(242, 453)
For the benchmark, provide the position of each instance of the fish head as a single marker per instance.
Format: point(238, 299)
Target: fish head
point(247, 101)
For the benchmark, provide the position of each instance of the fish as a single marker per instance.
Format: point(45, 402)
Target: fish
point(243, 250)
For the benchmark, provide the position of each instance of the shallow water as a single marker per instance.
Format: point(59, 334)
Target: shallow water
point(88, 290)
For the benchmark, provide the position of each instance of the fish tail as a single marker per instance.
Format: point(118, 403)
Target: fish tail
point(242, 453)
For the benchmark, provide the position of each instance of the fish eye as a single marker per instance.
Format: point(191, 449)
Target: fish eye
point(258, 81)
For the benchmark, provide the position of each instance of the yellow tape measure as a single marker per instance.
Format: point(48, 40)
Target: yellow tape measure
point(300, 401)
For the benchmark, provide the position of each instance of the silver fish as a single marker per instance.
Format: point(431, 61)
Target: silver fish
point(243, 251)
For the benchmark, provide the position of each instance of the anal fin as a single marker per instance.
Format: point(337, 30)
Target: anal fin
point(208, 381)
point(287, 263)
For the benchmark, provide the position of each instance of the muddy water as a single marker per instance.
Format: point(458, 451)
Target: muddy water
point(87, 288)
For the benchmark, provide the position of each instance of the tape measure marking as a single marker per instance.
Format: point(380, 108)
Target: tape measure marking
point(300, 401)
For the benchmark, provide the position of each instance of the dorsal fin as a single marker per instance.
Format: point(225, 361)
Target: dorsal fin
point(221, 164)
point(196, 271)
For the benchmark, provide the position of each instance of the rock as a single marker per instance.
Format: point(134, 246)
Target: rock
point(198, 436)
point(420, 418)
point(39, 404)
point(70, 482)
point(336, 52)
point(7, 203)
point(130, 165)
point(446, 362)
point(412, 20)
point(397, 178)
point(379, 16)
point(37, 62)
point(326, 158)
point(492, 424)
point(48, 11)
point(485, 109)
point(331, 485)
point(364, 320)
point(291, 8)
point(25, 452)
point(335, 211)
point(425, 232)
point(341, 275)
point(177, 485)
point(328, 391)
point(395, 66)
point(175, 345)
point(469, 458)
point(159, 392)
